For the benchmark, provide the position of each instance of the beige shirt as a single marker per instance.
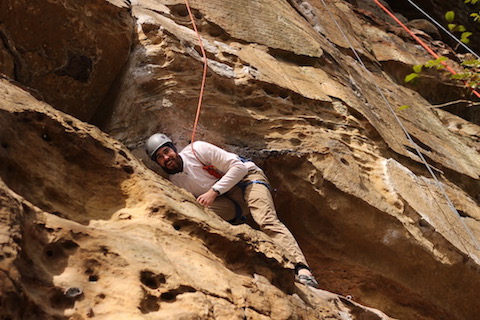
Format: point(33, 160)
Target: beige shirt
point(197, 180)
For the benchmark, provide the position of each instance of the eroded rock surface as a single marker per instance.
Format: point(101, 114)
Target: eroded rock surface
point(69, 51)
point(88, 231)
point(123, 242)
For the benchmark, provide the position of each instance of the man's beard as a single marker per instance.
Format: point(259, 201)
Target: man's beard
point(177, 168)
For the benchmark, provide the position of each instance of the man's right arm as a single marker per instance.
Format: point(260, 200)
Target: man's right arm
point(233, 168)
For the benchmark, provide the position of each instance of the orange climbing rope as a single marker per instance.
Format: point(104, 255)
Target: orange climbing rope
point(429, 50)
point(212, 170)
point(205, 64)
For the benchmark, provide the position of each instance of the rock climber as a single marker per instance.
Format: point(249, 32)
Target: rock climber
point(230, 186)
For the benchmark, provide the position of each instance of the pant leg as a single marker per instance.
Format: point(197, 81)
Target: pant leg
point(225, 207)
point(260, 202)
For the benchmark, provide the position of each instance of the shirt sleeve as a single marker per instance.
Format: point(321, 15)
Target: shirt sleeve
point(232, 168)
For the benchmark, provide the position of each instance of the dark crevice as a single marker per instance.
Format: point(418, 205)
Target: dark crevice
point(171, 295)
point(152, 280)
point(421, 144)
point(78, 67)
point(10, 46)
point(293, 58)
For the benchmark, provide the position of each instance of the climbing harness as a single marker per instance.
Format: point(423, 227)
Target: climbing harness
point(239, 217)
point(244, 185)
point(439, 185)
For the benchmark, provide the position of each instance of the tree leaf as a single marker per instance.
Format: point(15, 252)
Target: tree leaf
point(449, 16)
point(432, 63)
point(403, 107)
point(465, 36)
point(452, 26)
point(418, 68)
point(475, 63)
point(475, 16)
point(410, 77)
point(462, 28)
point(460, 76)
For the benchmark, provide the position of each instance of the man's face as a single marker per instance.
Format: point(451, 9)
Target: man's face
point(169, 160)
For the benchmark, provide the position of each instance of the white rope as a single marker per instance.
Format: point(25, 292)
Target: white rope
point(439, 185)
point(444, 29)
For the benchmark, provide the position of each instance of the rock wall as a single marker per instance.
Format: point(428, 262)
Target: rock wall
point(69, 51)
point(90, 229)
point(89, 232)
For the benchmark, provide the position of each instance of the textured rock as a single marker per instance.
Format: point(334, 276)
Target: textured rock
point(91, 233)
point(109, 238)
point(69, 51)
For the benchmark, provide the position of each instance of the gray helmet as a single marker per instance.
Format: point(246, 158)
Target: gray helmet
point(155, 142)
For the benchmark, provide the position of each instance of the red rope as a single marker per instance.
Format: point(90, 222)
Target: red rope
point(436, 56)
point(212, 170)
point(200, 98)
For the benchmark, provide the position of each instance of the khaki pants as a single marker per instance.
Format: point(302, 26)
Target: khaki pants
point(256, 200)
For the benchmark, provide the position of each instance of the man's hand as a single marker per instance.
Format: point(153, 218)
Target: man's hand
point(207, 198)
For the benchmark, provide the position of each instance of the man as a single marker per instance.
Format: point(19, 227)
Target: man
point(221, 181)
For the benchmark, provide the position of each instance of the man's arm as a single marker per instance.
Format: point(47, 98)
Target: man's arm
point(234, 170)
point(208, 197)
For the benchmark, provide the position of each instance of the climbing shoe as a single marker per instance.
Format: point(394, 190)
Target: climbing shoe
point(307, 280)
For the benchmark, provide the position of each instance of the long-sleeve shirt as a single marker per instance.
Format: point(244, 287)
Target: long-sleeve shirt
point(197, 180)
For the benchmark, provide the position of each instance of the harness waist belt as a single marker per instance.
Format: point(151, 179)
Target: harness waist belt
point(244, 185)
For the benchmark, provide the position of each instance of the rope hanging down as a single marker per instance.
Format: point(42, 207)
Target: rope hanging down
point(204, 77)
point(212, 170)
point(439, 185)
point(429, 50)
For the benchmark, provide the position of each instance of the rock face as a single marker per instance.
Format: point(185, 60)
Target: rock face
point(69, 51)
point(96, 234)
point(383, 199)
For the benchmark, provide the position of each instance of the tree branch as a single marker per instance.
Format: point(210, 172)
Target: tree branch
point(446, 104)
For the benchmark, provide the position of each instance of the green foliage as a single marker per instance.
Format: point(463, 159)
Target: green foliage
point(411, 77)
point(450, 16)
point(475, 63)
point(475, 16)
point(403, 107)
point(464, 37)
point(418, 68)
point(437, 63)
point(453, 27)
point(470, 77)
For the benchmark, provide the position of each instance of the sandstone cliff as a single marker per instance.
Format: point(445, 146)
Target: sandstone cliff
point(311, 90)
